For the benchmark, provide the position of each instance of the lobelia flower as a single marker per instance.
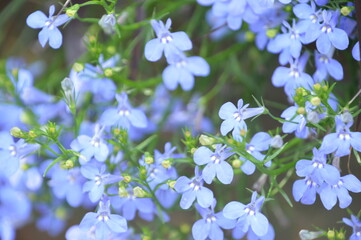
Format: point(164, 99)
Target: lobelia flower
point(237, 233)
point(293, 77)
point(209, 227)
point(89, 147)
point(93, 79)
point(317, 167)
point(128, 204)
point(328, 34)
point(11, 152)
point(341, 141)
point(98, 178)
point(216, 166)
point(304, 190)
point(329, 193)
point(193, 189)
point(326, 65)
point(248, 216)
point(52, 213)
point(167, 42)
point(234, 118)
point(295, 122)
point(123, 116)
point(49, 25)
point(182, 70)
point(289, 44)
point(259, 142)
point(68, 184)
point(355, 223)
point(103, 221)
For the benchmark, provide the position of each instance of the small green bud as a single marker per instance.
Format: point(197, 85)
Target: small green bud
point(127, 178)
point(271, 33)
point(171, 183)
point(78, 67)
point(122, 192)
point(205, 140)
point(249, 36)
point(139, 192)
point(243, 132)
point(61, 213)
point(331, 234)
point(236, 163)
point(193, 150)
point(317, 86)
point(346, 10)
point(301, 110)
point(166, 164)
point(16, 132)
point(315, 101)
point(148, 159)
point(185, 228)
point(32, 134)
point(340, 236)
point(108, 72)
point(68, 164)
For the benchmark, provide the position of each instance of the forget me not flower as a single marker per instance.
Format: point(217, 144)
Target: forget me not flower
point(355, 223)
point(49, 25)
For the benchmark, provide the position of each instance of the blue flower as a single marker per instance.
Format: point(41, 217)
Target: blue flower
point(318, 168)
point(182, 70)
point(49, 25)
point(193, 189)
point(216, 164)
point(295, 122)
point(123, 116)
point(98, 178)
point(355, 223)
point(341, 141)
point(89, 147)
point(248, 216)
point(11, 152)
point(68, 184)
point(167, 42)
point(234, 118)
point(237, 233)
point(293, 77)
point(325, 65)
point(103, 221)
point(329, 193)
point(259, 142)
point(128, 204)
point(305, 190)
point(209, 227)
point(289, 43)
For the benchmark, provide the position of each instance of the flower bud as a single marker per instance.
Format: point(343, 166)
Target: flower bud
point(236, 163)
point(271, 33)
point(171, 183)
point(108, 72)
point(107, 23)
point(166, 164)
point(148, 159)
point(127, 178)
point(122, 192)
point(16, 132)
point(317, 86)
point(301, 110)
point(205, 140)
point(308, 235)
point(276, 142)
point(139, 192)
point(78, 67)
point(315, 101)
point(71, 11)
point(313, 117)
point(346, 10)
point(346, 117)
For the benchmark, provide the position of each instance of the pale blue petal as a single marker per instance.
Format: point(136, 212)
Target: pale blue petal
point(352, 183)
point(280, 76)
point(117, 224)
point(198, 66)
point(181, 41)
point(153, 50)
point(227, 125)
point(182, 184)
point(171, 77)
point(209, 172)
point(55, 38)
point(224, 172)
point(259, 224)
point(202, 155)
point(227, 110)
point(187, 199)
point(200, 230)
point(109, 117)
point(204, 197)
point(233, 210)
point(335, 69)
point(36, 20)
point(339, 38)
point(137, 118)
point(248, 167)
point(323, 43)
point(328, 197)
point(43, 36)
